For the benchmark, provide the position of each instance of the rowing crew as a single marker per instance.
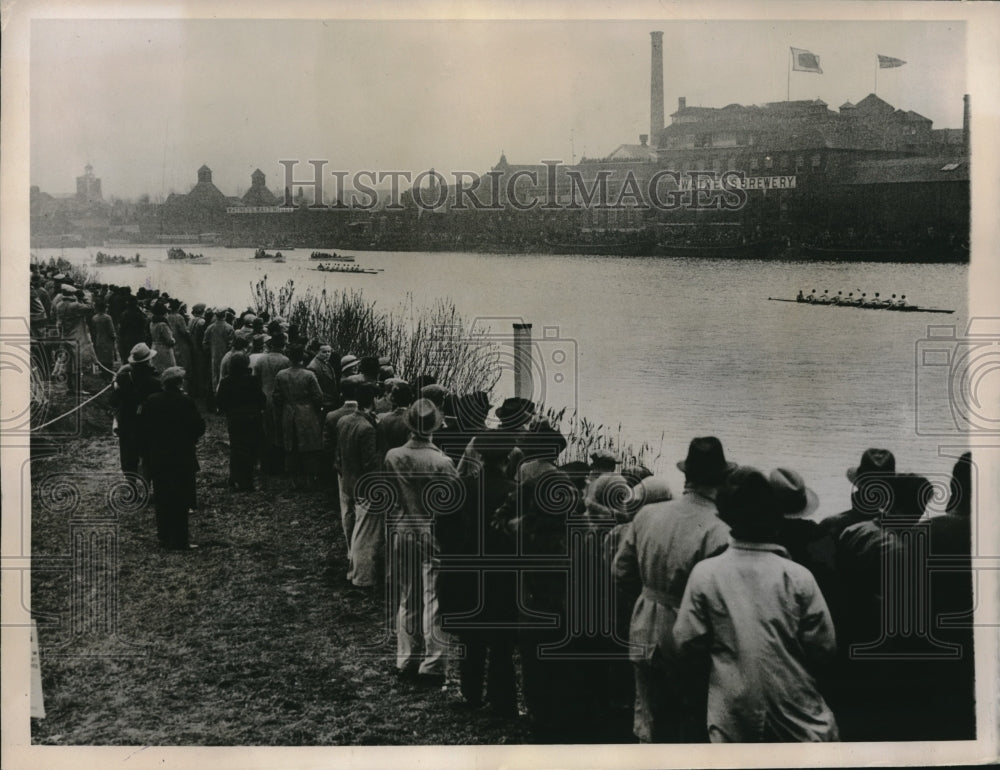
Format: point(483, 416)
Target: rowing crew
point(861, 300)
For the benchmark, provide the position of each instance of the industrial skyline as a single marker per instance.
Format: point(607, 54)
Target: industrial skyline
point(152, 100)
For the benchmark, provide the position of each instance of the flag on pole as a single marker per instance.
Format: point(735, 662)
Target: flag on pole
point(887, 62)
point(805, 61)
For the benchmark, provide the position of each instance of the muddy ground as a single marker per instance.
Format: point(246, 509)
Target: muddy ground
point(255, 638)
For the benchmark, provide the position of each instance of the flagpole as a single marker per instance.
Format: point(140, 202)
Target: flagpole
point(876, 75)
point(788, 90)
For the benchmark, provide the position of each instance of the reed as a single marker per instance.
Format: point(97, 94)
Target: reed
point(584, 437)
point(433, 340)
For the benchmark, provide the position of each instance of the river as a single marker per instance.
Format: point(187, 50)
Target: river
point(669, 347)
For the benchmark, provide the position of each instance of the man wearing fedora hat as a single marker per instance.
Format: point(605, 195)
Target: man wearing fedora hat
point(170, 426)
point(871, 491)
point(658, 552)
point(761, 620)
point(514, 415)
point(416, 468)
point(133, 384)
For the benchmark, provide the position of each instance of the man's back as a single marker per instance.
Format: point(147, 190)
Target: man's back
point(266, 369)
point(669, 538)
point(356, 447)
point(414, 466)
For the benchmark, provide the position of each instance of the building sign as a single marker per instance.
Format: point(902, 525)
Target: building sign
point(259, 210)
point(736, 182)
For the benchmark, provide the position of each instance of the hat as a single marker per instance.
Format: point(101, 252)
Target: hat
point(422, 380)
point(67, 288)
point(876, 461)
point(610, 492)
point(705, 460)
point(652, 489)
point(276, 340)
point(436, 393)
point(635, 474)
point(401, 393)
point(199, 307)
point(172, 373)
point(515, 412)
point(746, 503)
point(543, 440)
point(349, 362)
point(423, 417)
point(791, 495)
point(58, 276)
point(603, 460)
point(140, 353)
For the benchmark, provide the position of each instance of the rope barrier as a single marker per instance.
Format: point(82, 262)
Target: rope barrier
point(75, 408)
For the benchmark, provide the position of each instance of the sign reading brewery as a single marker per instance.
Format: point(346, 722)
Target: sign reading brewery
point(738, 182)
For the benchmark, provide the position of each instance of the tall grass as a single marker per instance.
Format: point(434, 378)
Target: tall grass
point(433, 340)
point(584, 437)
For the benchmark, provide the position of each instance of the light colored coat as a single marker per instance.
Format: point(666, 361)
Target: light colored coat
point(413, 467)
point(218, 338)
point(659, 549)
point(766, 626)
point(265, 367)
point(297, 396)
point(72, 316)
point(163, 344)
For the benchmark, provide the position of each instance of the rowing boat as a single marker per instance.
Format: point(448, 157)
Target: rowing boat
point(896, 308)
point(348, 271)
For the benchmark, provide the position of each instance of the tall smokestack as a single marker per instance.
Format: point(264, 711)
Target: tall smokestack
point(656, 88)
point(965, 125)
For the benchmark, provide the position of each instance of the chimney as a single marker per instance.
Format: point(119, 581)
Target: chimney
point(682, 103)
point(643, 138)
point(524, 386)
point(965, 125)
point(656, 87)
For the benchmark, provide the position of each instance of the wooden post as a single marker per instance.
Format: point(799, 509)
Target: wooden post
point(523, 383)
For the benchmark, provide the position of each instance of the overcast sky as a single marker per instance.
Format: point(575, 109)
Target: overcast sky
point(148, 102)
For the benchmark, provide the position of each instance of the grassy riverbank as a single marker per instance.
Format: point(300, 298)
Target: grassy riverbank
point(254, 638)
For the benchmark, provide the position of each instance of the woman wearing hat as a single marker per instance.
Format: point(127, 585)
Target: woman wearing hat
point(764, 625)
point(183, 350)
point(170, 426)
point(298, 400)
point(163, 339)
